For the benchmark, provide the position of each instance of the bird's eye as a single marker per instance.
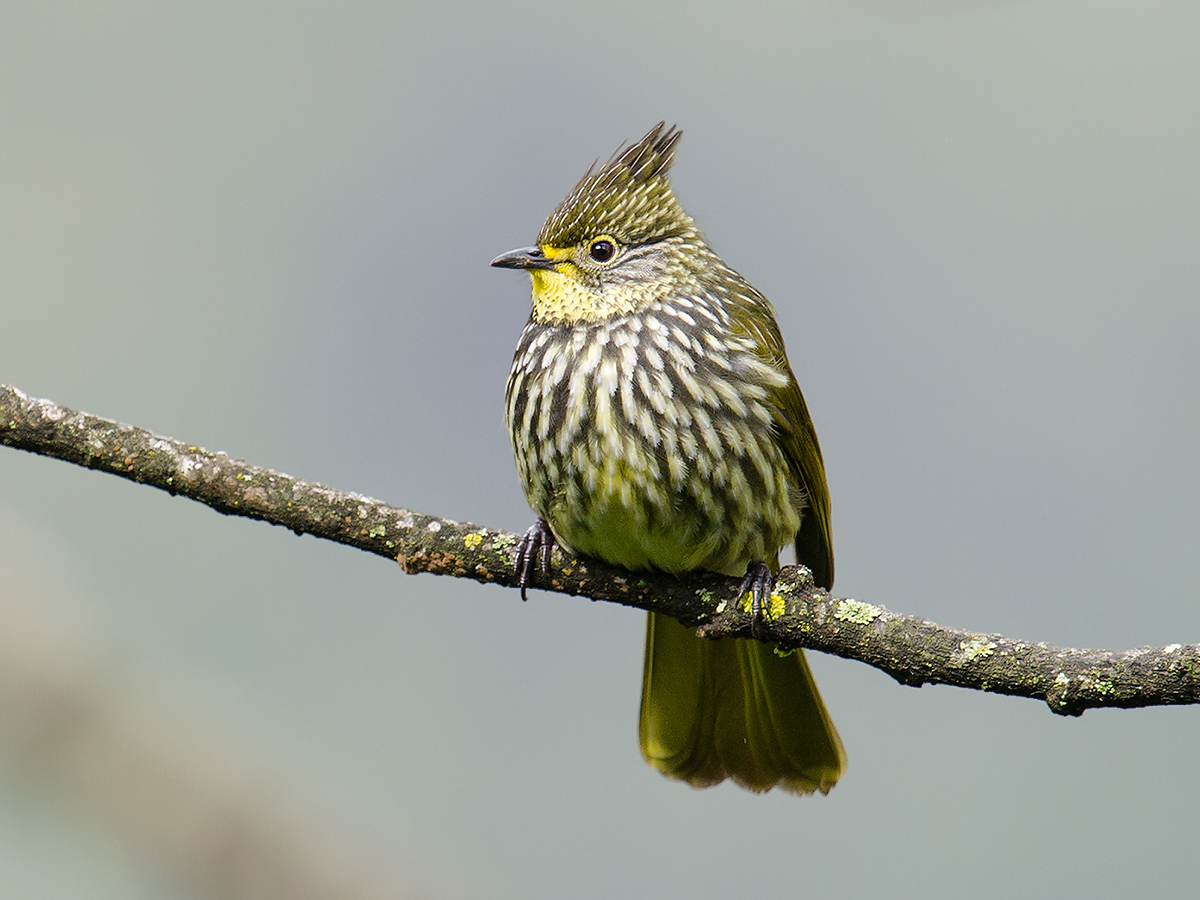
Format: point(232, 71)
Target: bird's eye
point(602, 250)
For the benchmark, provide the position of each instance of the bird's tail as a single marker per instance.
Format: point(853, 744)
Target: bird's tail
point(734, 709)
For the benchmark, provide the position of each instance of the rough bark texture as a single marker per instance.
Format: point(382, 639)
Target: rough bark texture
point(912, 650)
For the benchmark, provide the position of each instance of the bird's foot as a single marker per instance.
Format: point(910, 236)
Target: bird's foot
point(759, 581)
point(533, 552)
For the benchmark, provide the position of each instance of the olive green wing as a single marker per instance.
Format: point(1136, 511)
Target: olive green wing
point(797, 438)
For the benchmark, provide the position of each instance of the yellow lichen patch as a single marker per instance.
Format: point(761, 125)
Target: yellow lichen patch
point(473, 540)
point(775, 606)
point(857, 612)
point(970, 650)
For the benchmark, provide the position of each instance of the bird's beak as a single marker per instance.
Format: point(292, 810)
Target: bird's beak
point(525, 258)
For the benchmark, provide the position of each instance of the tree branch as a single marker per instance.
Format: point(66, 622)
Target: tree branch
point(912, 650)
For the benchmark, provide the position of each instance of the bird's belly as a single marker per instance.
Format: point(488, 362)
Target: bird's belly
point(627, 519)
point(621, 501)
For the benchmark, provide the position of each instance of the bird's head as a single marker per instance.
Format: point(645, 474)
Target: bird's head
point(618, 241)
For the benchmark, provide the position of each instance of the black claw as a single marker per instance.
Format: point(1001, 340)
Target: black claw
point(760, 582)
point(533, 552)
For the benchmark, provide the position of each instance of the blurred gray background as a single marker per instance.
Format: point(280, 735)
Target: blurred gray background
point(265, 228)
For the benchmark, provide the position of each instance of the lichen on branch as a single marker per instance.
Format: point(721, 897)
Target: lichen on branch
point(912, 650)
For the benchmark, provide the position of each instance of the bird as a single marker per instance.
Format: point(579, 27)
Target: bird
point(657, 425)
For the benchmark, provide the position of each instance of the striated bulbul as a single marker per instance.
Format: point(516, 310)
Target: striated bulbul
point(657, 425)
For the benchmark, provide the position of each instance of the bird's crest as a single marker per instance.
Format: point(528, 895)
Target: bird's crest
point(629, 197)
